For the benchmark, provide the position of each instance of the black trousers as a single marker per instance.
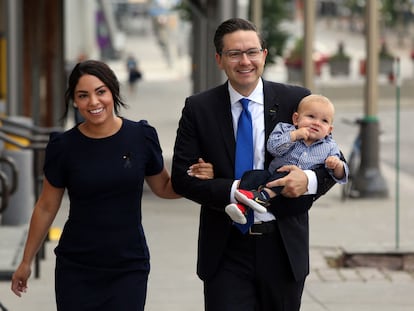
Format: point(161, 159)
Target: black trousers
point(254, 275)
point(251, 180)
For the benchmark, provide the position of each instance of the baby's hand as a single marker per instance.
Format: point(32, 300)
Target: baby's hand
point(301, 133)
point(332, 162)
point(201, 170)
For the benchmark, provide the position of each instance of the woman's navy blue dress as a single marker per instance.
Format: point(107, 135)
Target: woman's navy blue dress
point(102, 259)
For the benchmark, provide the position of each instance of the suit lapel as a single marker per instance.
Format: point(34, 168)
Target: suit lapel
point(271, 105)
point(271, 110)
point(225, 121)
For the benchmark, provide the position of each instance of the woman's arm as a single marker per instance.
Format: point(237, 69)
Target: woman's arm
point(161, 185)
point(42, 218)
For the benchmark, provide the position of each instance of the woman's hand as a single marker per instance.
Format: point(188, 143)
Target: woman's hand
point(201, 170)
point(19, 279)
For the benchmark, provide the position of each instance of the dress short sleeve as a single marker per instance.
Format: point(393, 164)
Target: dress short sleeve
point(155, 159)
point(54, 158)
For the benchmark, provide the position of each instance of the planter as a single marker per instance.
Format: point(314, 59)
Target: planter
point(339, 67)
point(386, 66)
point(294, 74)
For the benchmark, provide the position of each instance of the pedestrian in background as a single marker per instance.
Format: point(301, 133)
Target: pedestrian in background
point(134, 73)
point(265, 268)
point(102, 258)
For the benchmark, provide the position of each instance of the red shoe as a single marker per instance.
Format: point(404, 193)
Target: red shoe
point(237, 213)
point(253, 199)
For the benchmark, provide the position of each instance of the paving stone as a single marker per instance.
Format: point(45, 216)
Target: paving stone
point(401, 276)
point(408, 263)
point(350, 275)
point(372, 274)
point(329, 275)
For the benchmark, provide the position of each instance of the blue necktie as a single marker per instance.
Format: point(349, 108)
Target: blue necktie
point(244, 153)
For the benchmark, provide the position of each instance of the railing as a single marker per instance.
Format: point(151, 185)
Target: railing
point(37, 138)
point(6, 188)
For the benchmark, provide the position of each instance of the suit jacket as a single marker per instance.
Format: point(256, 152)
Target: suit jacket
point(206, 130)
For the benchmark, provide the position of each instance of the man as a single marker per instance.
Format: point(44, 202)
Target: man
point(264, 269)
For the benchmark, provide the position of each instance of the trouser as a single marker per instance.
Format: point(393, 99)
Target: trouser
point(252, 180)
point(254, 275)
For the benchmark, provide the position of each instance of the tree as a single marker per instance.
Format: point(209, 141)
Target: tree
point(396, 11)
point(273, 13)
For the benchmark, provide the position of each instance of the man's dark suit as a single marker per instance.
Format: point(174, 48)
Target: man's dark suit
point(206, 131)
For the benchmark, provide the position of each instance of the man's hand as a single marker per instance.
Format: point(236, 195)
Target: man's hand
point(295, 183)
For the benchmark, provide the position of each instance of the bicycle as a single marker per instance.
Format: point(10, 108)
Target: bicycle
point(353, 161)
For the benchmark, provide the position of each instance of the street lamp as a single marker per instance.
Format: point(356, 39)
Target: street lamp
point(309, 35)
point(369, 181)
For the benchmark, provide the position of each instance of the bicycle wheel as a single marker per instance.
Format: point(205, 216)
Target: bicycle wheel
point(348, 189)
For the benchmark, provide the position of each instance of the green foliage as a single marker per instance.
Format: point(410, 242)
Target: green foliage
point(390, 10)
point(295, 57)
point(356, 6)
point(340, 53)
point(184, 10)
point(273, 13)
point(384, 53)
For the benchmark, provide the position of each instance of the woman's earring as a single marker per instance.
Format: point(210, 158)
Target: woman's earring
point(74, 105)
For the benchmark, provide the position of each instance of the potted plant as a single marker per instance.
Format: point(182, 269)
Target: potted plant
point(386, 60)
point(294, 62)
point(339, 63)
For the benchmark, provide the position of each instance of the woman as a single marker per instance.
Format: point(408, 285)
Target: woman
point(102, 259)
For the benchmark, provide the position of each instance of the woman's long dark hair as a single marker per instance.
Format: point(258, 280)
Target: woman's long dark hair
point(102, 72)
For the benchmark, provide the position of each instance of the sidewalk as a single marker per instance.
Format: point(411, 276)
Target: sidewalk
point(172, 225)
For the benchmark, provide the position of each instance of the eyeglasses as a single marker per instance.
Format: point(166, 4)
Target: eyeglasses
point(237, 55)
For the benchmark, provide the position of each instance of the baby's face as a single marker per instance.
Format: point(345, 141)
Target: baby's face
point(316, 117)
